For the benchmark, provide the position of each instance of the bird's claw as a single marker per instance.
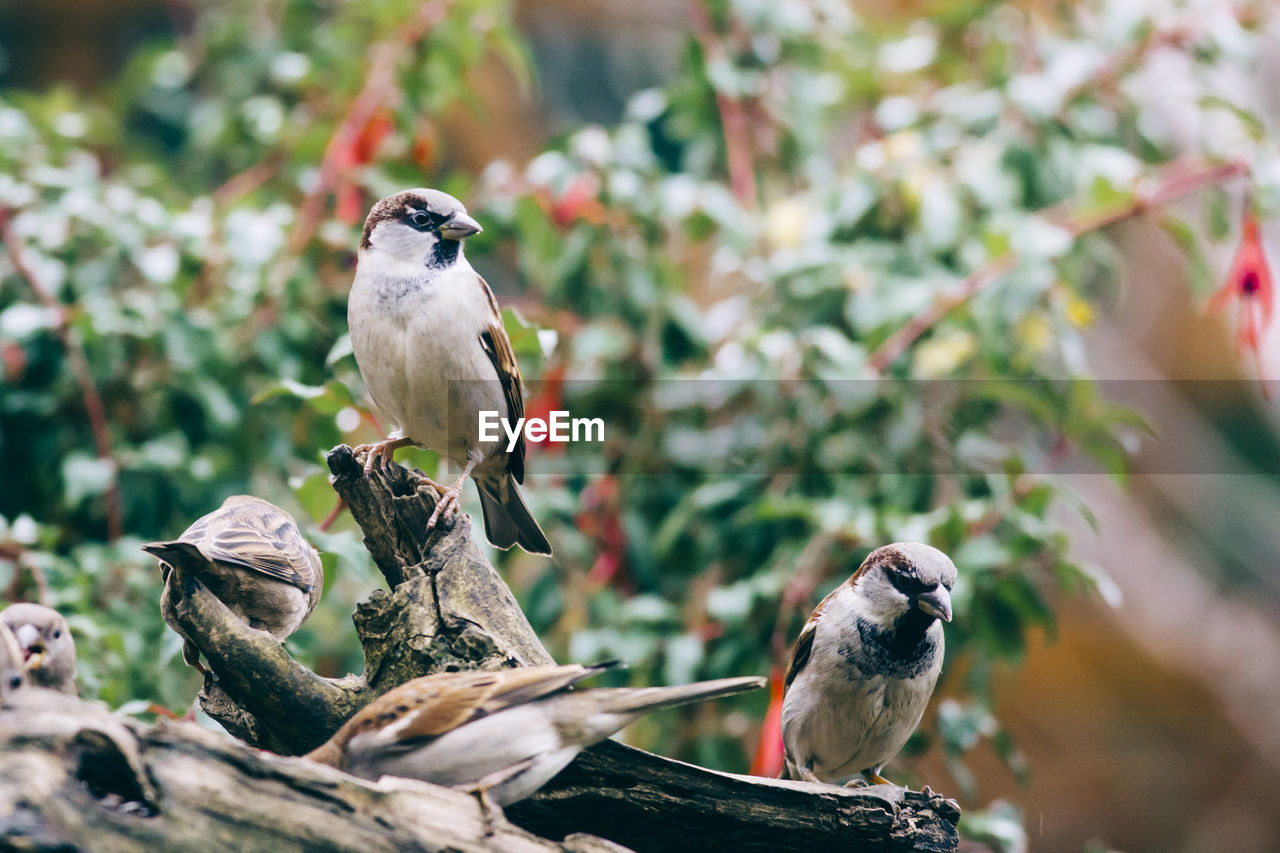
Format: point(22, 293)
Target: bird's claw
point(447, 504)
point(858, 782)
point(489, 811)
point(379, 453)
point(424, 484)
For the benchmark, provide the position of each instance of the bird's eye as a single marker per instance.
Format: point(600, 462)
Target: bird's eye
point(15, 681)
point(419, 219)
point(904, 583)
point(57, 633)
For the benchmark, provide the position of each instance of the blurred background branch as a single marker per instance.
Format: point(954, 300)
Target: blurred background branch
point(79, 366)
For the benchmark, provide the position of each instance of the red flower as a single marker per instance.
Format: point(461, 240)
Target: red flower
point(600, 519)
point(354, 151)
point(580, 200)
point(547, 397)
point(1249, 282)
point(769, 759)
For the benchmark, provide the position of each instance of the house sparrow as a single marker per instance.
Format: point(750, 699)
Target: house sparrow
point(12, 674)
point(430, 344)
point(865, 665)
point(48, 651)
point(251, 555)
point(504, 734)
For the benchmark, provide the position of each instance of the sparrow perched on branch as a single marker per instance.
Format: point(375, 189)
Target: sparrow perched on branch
point(865, 665)
point(251, 555)
point(503, 734)
point(430, 344)
point(12, 674)
point(48, 650)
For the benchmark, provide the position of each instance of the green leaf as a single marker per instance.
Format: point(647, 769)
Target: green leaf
point(326, 399)
point(1217, 213)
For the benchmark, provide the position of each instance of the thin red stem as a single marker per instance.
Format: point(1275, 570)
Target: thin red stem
point(734, 122)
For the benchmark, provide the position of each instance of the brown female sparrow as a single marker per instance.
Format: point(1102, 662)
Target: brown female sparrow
point(430, 344)
point(865, 665)
point(251, 555)
point(12, 673)
point(505, 733)
point(48, 650)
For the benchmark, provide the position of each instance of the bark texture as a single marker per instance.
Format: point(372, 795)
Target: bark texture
point(73, 777)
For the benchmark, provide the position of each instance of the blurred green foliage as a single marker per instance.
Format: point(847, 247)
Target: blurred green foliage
point(714, 275)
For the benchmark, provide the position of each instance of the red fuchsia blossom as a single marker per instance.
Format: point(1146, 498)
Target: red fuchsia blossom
point(1249, 284)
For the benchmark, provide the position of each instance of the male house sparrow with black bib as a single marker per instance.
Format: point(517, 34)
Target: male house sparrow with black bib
point(429, 340)
point(48, 650)
point(252, 556)
point(503, 733)
point(865, 666)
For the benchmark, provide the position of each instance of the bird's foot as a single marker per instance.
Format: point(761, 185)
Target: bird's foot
point(447, 503)
point(871, 778)
point(380, 453)
point(424, 484)
point(489, 810)
point(807, 775)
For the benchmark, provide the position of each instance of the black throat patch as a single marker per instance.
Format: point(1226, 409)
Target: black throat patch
point(443, 254)
point(903, 651)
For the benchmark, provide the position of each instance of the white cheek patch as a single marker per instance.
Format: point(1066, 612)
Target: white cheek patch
point(400, 241)
point(879, 602)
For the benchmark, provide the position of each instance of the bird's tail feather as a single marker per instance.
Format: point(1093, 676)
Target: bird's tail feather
point(642, 699)
point(507, 520)
point(183, 555)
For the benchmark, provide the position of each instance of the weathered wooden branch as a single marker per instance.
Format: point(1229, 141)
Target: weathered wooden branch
point(447, 609)
point(476, 622)
point(648, 802)
point(74, 777)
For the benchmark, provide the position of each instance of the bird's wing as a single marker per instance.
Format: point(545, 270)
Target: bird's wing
point(804, 643)
point(259, 536)
point(498, 347)
point(425, 708)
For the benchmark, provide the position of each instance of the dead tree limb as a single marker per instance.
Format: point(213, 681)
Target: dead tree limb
point(74, 777)
point(648, 802)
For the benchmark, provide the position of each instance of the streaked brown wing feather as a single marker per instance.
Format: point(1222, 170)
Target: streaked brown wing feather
point(800, 655)
point(439, 703)
point(804, 643)
point(498, 347)
point(258, 536)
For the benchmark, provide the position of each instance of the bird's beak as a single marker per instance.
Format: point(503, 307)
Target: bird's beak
point(936, 602)
point(28, 637)
point(460, 227)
